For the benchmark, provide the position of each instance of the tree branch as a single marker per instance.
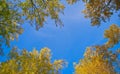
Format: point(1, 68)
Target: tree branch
point(107, 4)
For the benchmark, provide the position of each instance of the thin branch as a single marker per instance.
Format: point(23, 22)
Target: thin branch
point(107, 4)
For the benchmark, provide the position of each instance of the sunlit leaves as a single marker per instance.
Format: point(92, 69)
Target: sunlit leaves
point(14, 13)
point(71, 1)
point(9, 23)
point(100, 10)
point(113, 35)
point(97, 60)
point(100, 59)
point(94, 65)
point(37, 11)
point(31, 63)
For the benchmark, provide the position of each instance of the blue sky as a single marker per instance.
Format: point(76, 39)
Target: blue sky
point(68, 42)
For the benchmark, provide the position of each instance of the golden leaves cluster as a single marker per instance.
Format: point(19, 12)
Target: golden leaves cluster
point(100, 59)
point(100, 10)
point(31, 63)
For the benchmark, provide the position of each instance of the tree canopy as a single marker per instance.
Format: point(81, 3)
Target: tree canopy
point(9, 27)
point(100, 59)
point(13, 13)
point(100, 10)
point(34, 62)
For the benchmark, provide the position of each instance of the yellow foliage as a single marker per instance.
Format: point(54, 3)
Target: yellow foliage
point(94, 65)
point(99, 59)
point(31, 63)
point(113, 35)
point(100, 10)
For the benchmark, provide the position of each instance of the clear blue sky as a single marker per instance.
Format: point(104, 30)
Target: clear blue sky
point(68, 42)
